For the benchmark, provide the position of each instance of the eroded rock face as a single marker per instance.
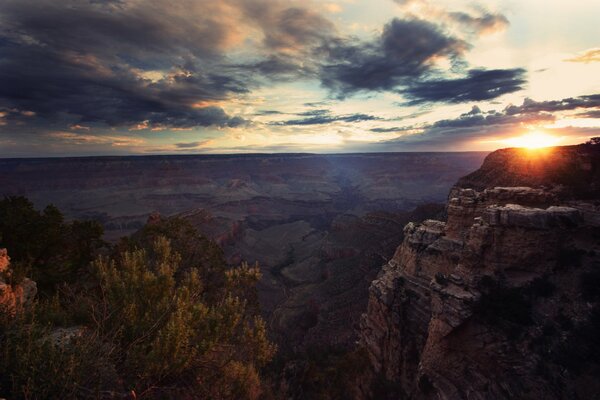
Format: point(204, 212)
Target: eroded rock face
point(488, 305)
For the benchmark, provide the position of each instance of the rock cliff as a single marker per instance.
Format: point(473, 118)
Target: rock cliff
point(502, 300)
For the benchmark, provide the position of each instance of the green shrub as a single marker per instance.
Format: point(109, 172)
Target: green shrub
point(146, 320)
point(166, 331)
point(45, 247)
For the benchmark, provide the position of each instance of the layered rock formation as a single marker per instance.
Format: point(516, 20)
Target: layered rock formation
point(501, 301)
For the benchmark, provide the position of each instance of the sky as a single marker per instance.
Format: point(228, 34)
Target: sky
point(115, 77)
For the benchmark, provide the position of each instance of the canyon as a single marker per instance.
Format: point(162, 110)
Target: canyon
point(320, 226)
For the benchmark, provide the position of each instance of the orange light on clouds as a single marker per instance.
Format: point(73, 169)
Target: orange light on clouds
point(533, 140)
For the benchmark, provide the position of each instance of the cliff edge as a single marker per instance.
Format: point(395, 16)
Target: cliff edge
point(502, 300)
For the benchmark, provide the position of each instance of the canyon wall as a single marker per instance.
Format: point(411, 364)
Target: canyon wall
point(501, 300)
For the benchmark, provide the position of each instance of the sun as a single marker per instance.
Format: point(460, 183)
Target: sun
point(533, 140)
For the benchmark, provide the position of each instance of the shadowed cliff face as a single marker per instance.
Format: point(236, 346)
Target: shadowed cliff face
point(319, 225)
point(501, 301)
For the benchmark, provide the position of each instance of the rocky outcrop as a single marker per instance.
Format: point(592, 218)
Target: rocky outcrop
point(572, 171)
point(501, 301)
point(13, 297)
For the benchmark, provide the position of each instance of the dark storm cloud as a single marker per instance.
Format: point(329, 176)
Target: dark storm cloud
point(474, 120)
point(292, 36)
point(84, 61)
point(477, 124)
point(478, 85)
point(590, 114)
point(292, 28)
point(157, 65)
point(88, 61)
point(268, 112)
point(568, 104)
point(392, 129)
point(405, 51)
point(322, 116)
point(487, 22)
point(530, 112)
point(279, 68)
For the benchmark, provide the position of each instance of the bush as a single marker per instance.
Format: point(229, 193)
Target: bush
point(169, 334)
point(33, 367)
point(148, 322)
point(44, 246)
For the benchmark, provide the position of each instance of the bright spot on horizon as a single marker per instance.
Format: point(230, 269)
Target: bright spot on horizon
point(533, 140)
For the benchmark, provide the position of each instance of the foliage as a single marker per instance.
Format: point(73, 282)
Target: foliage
point(44, 246)
point(32, 366)
point(149, 322)
point(168, 332)
point(196, 251)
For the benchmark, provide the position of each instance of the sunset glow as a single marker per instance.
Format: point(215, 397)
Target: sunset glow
point(533, 140)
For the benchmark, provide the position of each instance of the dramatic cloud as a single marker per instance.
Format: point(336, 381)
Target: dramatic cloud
point(392, 129)
point(568, 104)
point(407, 49)
point(590, 114)
point(320, 117)
point(151, 64)
point(478, 125)
point(405, 59)
point(476, 86)
point(88, 74)
point(158, 65)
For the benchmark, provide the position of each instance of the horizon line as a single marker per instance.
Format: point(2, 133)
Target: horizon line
point(246, 154)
